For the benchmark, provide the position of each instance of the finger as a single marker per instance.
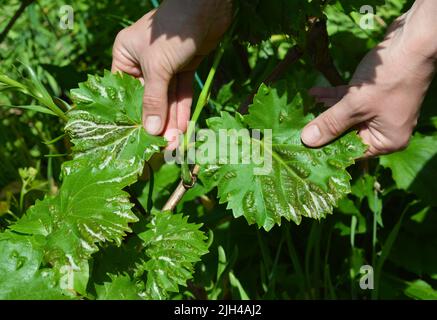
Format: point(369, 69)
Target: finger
point(185, 99)
point(170, 131)
point(118, 66)
point(328, 102)
point(121, 62)
point(380, 143)
point(330, 124)
point(115, 66)
point(332, 92)
point(155, 103)
point(367, 137)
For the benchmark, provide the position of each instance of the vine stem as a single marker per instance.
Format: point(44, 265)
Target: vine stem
point(182, 187)
point(319, 52)
point(204, 95)
point(180, 190)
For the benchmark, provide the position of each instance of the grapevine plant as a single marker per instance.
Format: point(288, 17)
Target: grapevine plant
point(48, 250)
point(117, 227)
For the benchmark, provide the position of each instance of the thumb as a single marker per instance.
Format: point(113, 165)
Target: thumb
point(155, 104)
point(330, 124)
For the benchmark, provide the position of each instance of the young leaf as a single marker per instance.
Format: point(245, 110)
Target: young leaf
point(302, 182)
point(105, 125)
point(173, 246)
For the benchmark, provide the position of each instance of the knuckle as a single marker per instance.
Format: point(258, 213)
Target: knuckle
point(402, 132)
point(359, 108)
point(402, 142)
point(354, 91)
point(122, 34)
point(155, 68)
point(152, 103)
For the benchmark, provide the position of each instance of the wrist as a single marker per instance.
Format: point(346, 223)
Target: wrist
point(420, 29)
point(411, 44)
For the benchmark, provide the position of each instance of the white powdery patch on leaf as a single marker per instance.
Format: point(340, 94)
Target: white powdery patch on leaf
point(105, 126)
point(91, 208)
point(172, 246)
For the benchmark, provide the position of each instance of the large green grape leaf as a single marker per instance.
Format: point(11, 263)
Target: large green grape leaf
point(303, 181)
point(21, 275)
point(91, 208)
point(121, 287)
point(415, 168)
point(173, 246)
point(105, 125)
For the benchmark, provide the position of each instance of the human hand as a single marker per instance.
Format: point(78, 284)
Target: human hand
point(383, 98)
point(163, 49)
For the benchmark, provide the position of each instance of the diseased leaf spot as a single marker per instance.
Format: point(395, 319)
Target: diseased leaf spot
point(300, 169)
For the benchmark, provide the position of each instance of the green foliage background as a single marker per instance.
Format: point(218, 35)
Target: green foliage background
point(388, 221)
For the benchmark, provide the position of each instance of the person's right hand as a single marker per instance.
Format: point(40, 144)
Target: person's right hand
point(385, 94)
point(163, 49)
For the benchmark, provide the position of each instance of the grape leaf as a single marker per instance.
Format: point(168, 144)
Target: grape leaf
point(420, 290)
point(303, 181)
point(172, 245)
point(121, 287)
point(20, 274)
point(91, 208)
point(414, 169)
point(121, 260)
point(105, 126)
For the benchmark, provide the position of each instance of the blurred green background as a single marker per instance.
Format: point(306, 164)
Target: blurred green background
point(389, 221)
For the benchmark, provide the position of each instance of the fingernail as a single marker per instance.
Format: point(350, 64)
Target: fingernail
point(172, 137)
point(153, 124)
point(311, 134)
